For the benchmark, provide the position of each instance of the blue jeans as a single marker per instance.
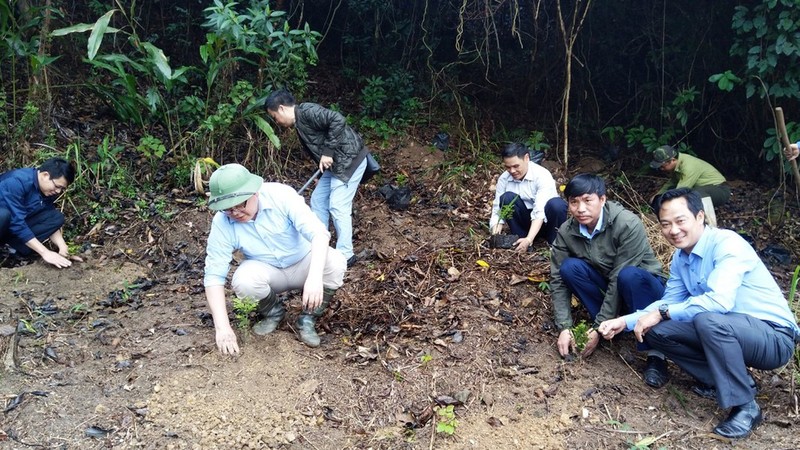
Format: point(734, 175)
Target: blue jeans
point(333, 198)
point(637, 288)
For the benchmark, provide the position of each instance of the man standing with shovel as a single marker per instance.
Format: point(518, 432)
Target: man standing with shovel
point(340, 153)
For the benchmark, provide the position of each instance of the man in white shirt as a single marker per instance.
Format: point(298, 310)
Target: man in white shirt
point(527, 192)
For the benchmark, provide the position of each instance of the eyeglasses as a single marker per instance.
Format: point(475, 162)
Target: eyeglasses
point(59, 189)
point(239, 207)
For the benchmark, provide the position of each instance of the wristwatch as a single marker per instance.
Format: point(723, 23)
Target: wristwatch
point(663, 309)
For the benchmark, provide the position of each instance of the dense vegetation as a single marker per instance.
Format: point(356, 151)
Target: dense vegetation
point(185, 79)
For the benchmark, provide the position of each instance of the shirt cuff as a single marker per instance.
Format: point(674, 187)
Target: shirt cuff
point(678, 312)
point(632, 318)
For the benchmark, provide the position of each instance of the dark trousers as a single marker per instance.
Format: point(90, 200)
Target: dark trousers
point(43, 224)
point(637, 287)
point(716, 349)
point(555, 211)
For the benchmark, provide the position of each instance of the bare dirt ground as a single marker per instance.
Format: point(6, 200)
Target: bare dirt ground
point(118, 351)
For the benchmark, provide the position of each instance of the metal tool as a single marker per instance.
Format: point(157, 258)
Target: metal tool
point(310, 180)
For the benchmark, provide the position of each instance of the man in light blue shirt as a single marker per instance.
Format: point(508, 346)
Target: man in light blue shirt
point(285, 247)
point(721, 312)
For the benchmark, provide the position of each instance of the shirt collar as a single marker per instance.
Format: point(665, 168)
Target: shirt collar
point(597, 228)
point(528, 175)
point(700, 248)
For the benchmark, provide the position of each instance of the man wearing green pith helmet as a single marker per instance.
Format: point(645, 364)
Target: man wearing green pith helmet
point(285, 247)
point(689, 172)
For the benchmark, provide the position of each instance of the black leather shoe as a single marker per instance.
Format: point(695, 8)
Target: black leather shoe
point(351, 261)
point(656, 373)
point(741, 421)
point(710, 392)
point(705, 391)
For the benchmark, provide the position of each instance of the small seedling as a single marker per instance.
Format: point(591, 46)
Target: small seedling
point(508, 209)
point(242, 308)
point(28, 326)
point(73, 249)
point(426, 358)
point(580, 333)
point(544, 286)
point(77, 308)
point(401, 179)
point(446, 422)
point(18, 277)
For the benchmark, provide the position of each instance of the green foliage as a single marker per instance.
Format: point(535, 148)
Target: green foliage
point(376, 128)
point(536, 141)
point(446, 421)
point(508, 210)
point(102, 212)
point(401, 179)
point(682, 106)
point(544, 286)
point(725, 81)
point(388, 104)
point(426, 358)
point(19, 40)
point(766, 37)
point(27, 124)
point(373, 96)
point(613, 133)
point(141, 78)
point(107, 169)
point(390, 97)
point(580, 333)
point(643, 444)
point(257, 36)
point(4, 121)
point(78, 308)
point(242, 309)
point(151, 147)
point(676, 114)
point(773, 145)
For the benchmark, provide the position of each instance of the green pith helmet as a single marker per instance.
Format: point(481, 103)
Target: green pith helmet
point(661, 155)
point(231, 185)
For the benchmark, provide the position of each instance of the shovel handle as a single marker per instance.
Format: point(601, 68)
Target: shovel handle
point(786, 144)
point(310, 180)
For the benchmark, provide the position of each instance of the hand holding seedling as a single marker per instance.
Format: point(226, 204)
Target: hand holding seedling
point(566, 343)
point(592, 339)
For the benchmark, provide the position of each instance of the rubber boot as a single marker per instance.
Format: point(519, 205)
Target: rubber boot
point(307, 322)
point(272, 310)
